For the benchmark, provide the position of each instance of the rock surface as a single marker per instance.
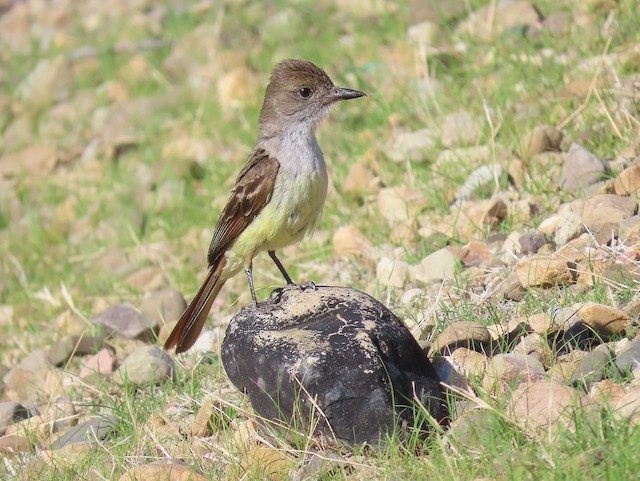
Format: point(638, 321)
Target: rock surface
point(335, 350)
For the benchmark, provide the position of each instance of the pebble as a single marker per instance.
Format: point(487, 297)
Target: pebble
point(349, 241)
point(173, 470)
point(581, 169)
point(10, 413)
point(544, 405)
point(437, 266)
point(162, 306)
point(146, 365)
point(542, 138)
point(124, 319)
point(415, 146)
point(506, 369)
point(603, 213)
point(482, 180)
point(400, 203)
point(545, 270)
point(470, 334)
point(628, 181)
point(62, 350)
point(459, 129)
point(392, 272)
point(97, 428)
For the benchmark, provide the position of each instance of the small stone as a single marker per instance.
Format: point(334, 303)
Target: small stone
point(349, 241)
point(438, 265)
point(61, 414)
point(606, 392)
point(173, 470)
point(473, 253)
point(25, 385)
point(147, 279)
point(484, 213)
point(209, 419)
point(581, 168)
point(459, 129)
point(37, 360)
point(473, 363)
point(542, 138)
point(537, 346)
point(603, 213)
point(51, 80)
point(511, 289)
point(629, 359)
point(479, 154)
point(415, 146)
point(544, 404)
point(10, 413)
point(630, 230)
point(480, 181)
point(622, 274)
point(400, 203)
point(545, 270)
point(604, 320)
point(62, 350)
point(36, 160)
point(392, 272)
point(14, 444)
point(489, 22)
point(103, 362)
point(505, 370)
point(146, 365)
point(162, 306)
point(531, 242)
point(591, 368)
point(628, 406)
point(470, 427)
point(468, 334)
point(96, 428)
point(510, 330)
point(124, 319)
point(570, 222)
point(360, 180)
point(628, 181)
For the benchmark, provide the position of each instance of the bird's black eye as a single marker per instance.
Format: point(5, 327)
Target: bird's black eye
point(305, 92)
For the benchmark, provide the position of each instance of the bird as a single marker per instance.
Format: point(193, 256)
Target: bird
point(279, 194)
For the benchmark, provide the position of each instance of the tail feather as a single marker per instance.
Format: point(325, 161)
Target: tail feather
point(190, 324)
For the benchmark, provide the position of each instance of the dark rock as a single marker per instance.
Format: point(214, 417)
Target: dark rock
point(11, 412)
point(532, 242)
point(579, 336)
point(124, 319)
point(62, 350)
point(629, 359)
point(334, 350)
point(591, 368)
point(97, 428)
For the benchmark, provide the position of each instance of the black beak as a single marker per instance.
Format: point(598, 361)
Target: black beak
point(340, 93)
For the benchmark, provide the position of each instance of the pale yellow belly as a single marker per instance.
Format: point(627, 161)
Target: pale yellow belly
point(291, 214)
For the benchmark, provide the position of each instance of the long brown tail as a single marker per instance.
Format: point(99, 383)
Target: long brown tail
point(186, 332)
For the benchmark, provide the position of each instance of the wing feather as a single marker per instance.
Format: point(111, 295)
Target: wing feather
point(253, 190)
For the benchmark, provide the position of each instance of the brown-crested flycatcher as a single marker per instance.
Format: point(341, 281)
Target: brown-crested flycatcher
point(280, 192)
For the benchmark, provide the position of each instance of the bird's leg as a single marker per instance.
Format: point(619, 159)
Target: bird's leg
point(249, 272)
point(272, 254)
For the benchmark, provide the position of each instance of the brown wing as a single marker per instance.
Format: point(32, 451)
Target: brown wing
point(251, 193)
